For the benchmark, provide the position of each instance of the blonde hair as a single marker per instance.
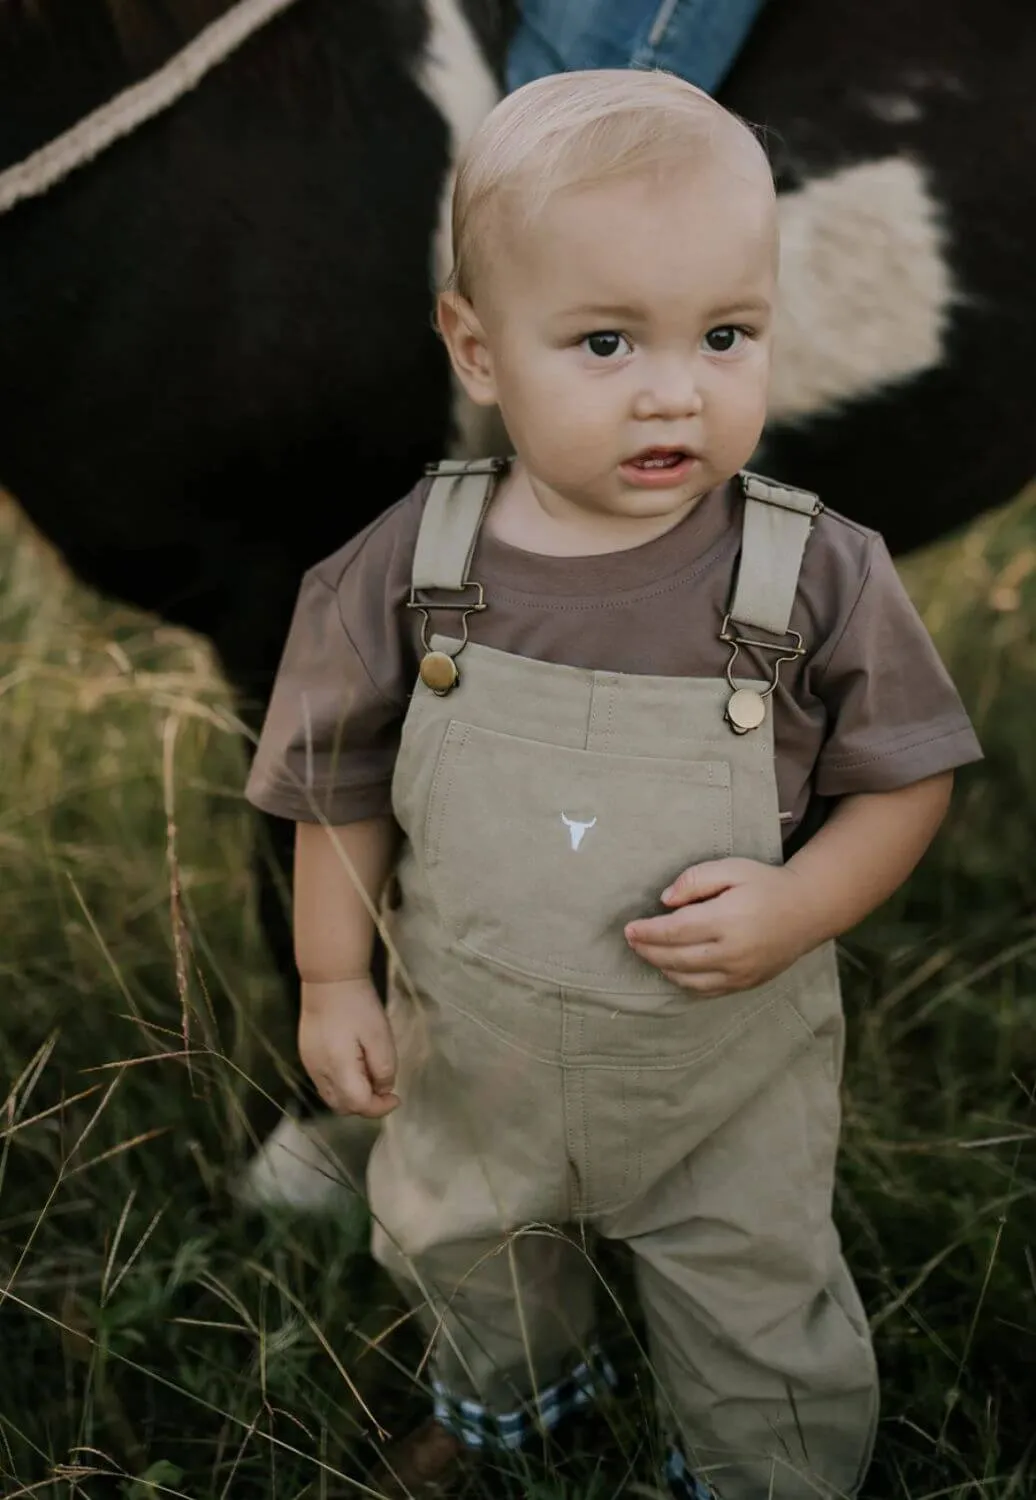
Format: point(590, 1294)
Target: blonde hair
point(581, 129)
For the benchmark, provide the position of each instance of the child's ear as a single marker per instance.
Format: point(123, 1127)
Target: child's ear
point(465, 340)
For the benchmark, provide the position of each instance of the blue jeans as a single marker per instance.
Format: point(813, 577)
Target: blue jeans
point(697, 39)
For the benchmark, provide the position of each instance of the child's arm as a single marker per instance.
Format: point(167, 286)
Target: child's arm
point(344, 1038)
point(741, 922)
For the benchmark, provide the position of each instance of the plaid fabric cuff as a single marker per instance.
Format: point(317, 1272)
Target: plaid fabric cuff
point(684, 1485)
point(477, 1427)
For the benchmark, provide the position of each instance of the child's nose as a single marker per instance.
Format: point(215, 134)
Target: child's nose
point(671, 390)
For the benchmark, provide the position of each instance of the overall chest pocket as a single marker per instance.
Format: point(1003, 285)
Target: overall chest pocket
point(536, 855)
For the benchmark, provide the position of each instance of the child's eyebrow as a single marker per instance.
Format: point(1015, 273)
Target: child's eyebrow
point(621, 312)
point(746, 305)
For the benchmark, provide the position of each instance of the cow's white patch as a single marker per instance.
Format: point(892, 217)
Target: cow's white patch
point(865, 287)
point(309, 1165)
point(893, 109)
point(455, 77)
point(935, 80)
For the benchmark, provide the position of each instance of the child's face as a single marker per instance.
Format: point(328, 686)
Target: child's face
point(626, 338)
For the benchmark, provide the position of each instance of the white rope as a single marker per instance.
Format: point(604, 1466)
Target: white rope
point(123, 114)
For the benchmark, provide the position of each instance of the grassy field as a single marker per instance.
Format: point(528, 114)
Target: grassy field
point(157, 1341)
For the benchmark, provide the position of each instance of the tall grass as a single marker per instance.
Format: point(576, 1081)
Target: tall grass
point(157, 1340)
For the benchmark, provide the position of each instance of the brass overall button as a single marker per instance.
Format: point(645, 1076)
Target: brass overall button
point(745, 710)
point(438, 671)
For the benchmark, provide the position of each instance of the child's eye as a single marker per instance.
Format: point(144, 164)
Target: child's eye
point(606, 345)
point(721, 340)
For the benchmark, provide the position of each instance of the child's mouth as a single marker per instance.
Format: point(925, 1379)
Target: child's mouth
point(660, 458)
point(659, 466)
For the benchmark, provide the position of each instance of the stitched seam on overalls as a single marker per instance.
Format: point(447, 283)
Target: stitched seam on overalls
point(727, 815)
point(594, 716)
point(664, 1064)
point(573, 1103)
point(710, 768)
point(828, 974)
point(633, 1161)
point(777, 1004)
point(444, 642)
point(443, 772)
point(568, 971)
point(796, 1016)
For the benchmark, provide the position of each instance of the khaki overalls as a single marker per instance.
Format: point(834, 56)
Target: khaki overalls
point(553, 1084)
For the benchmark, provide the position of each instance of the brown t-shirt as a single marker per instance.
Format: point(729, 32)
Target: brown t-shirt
point(869, 707)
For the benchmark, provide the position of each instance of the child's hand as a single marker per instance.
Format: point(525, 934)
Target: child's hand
point(346, 1047)
point(740, 923)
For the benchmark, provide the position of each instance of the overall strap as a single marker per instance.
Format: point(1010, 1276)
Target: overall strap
point(450, 524)
point(777, 523)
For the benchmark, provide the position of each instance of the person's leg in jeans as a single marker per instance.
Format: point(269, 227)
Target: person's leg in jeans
point(697, 39)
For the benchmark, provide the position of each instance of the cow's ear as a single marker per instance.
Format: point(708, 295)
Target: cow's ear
point(465, 340)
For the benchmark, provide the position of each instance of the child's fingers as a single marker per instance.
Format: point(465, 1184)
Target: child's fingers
point(706, 986)
point(349, 1086)
point(686, 927)
point(379, 1053)
point(701, 882)
point(374, 1107)
point(698, 958)
point(351, 1094)
point(381, 1105)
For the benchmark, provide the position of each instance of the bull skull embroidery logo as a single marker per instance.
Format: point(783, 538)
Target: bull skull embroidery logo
point(576, 830)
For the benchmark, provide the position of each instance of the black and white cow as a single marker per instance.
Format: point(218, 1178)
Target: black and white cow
point(216, 357)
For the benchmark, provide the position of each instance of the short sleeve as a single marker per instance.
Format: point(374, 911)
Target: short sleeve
point(894, 715)
point(331, 733)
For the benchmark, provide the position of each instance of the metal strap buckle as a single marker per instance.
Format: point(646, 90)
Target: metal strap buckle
point(785, 653)
point(425, 605)
point(456, 468)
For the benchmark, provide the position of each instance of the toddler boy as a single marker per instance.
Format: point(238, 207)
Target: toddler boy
point(638, 735)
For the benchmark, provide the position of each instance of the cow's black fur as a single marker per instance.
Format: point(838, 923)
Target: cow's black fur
point(217, 358)
point(932, 453)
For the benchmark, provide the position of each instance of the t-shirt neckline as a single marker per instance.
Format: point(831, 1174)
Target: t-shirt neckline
point(686, 548)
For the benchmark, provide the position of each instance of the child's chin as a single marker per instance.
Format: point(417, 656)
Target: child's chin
point(649, 504)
